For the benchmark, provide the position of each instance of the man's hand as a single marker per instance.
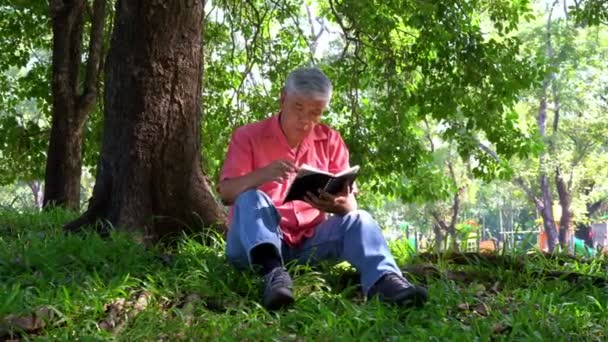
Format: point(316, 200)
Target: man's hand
point(340, 204)
point(277, 171)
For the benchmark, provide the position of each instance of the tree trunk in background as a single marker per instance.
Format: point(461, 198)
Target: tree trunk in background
point(546, 208)
point(439, 236)
point(563, 187)
point(546, 204)
point(71, 106)
point(565, 201)
point(149, 179)
point(37, 192)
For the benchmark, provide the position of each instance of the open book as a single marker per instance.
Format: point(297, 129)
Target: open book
point(312, 179)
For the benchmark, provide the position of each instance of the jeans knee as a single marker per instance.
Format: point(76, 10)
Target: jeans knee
point(361, 219)
point(246, 196)
point(365, 217)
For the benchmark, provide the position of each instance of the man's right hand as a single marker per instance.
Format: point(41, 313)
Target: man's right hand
point(277, 171)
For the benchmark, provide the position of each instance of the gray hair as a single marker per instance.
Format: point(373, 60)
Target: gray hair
point(309, 81)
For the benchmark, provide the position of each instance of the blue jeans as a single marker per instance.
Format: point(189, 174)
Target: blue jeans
point(354, 237)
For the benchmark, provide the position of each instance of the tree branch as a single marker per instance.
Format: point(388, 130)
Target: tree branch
point(527, 190)
point(456, 201)
point(93, 67)
point(314, 35)
point(439, 221)
point(489, 151)
point(428, 134)
point(595, 206)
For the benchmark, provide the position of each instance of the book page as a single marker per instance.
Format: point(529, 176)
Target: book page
point(348, 171)
point(306, 169)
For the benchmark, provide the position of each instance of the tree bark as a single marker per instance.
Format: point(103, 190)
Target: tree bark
point(441, 224)
point(71, 105)
point(439, 236)
point(37, 191)
point(565, 201)
point(546, 209)
point(149, 179)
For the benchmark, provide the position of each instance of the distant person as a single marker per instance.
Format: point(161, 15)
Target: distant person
point(264, 233)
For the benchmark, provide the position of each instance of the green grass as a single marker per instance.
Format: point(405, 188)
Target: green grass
point(77, 277)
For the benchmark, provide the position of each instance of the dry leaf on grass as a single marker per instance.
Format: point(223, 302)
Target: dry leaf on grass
point(188, 307)
point(423, 270)
point(463, 306)
point(500, 328)
point(458, 276)
point(114, 312)
point(481, 309)
point(29, 323)
point(496, 287)
point(121, 311)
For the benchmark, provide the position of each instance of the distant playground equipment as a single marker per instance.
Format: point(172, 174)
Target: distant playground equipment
point(599, 238)
point(599, 235)
point(471, 239)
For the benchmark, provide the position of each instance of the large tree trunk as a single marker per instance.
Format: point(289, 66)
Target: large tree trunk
point(149, 179)
point(71, 106)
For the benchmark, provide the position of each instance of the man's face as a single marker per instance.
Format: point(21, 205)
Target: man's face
point(300, 114)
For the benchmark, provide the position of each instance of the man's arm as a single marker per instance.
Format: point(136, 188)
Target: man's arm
point(278, 171)
point(229, 189)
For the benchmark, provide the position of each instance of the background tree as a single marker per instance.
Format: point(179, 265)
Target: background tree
point(149, 178)
point(570, 94)
point(72, 101)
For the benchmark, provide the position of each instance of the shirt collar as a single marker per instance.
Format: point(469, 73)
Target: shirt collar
point(273, 129)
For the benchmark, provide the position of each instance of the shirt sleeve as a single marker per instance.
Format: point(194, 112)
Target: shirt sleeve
point(239, 158)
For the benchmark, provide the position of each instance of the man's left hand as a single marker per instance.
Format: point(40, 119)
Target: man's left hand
point(340, 204)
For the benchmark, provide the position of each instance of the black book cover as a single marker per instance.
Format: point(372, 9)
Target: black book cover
point(311, 179)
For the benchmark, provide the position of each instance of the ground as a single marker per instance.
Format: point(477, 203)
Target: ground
point(63, 287)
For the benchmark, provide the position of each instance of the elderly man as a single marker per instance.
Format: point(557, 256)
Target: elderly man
point(261, 163)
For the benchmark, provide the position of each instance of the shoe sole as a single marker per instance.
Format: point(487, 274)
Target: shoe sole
point(416, 298)
point(279, 300)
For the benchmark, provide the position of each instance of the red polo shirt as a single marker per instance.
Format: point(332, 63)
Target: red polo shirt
point(258, 144)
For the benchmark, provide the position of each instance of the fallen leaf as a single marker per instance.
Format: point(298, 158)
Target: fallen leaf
point(27, 323)
point(424, 269)
point(191, 299)
point(481, 309)
point(463, 306)
point(495, 288)
point(114, 311)
point(500, 328)
point(187, 307)
point(458, 276)
point(142, 301)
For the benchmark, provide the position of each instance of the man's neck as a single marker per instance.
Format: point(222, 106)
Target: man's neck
point(290, 142)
